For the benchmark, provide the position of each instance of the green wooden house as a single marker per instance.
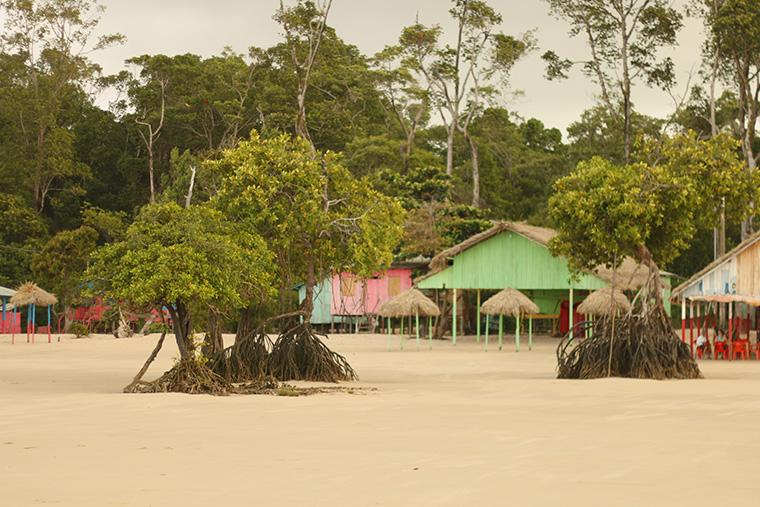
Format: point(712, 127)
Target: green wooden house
point(514, 254)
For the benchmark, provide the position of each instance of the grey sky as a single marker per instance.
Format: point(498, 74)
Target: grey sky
point(206, 26)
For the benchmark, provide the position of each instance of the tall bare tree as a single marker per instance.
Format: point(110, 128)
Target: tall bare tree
point(623, 37)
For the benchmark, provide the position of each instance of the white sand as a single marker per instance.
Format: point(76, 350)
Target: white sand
point(454, 427)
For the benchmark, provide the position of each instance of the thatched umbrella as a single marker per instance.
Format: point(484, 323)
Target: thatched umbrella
point(605, 301)
point(514, 303)
point(32, 296)
point(410, 303)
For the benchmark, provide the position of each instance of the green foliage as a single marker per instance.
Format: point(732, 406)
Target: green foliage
point(21, 231)
point(61, 263)
point(606, 211)
point(311, 211)
point(79, 330)
point(172, 254)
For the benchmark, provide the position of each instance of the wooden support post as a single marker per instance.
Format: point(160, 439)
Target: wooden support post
point(517, 334)
point(430, 332)
point(730, 329)
point(501, 331)
point(49, 325)
point(699, 326)
point(28, 320)
point(13, 325)
point(530, 333)
point(401, 339)
point(571, 316)
point(454, 318)
point(683, 320)
point(477, 324)
point(417, 324)
point(487, 326)
point(691, 323)
point(4, 322)
point(388, 325)
point(34, 321)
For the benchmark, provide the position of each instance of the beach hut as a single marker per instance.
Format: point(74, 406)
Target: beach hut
point(517, 255)
point(726, 292)
point(606, 301)
point(8, 324)
point(513, 303)
point(32, 296)
point(410, 303)
point(346, 299)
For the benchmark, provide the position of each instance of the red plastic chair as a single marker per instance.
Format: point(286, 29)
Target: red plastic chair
point(721, 350)
point(741, 348)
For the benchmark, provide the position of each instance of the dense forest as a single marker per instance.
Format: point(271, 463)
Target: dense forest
point(423, 122)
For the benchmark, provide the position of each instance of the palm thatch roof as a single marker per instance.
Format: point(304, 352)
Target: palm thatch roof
point(605, 301)
point(408, 303)
point(509, 302)
point(29, 293)
point(630, 275)
point(6, 292)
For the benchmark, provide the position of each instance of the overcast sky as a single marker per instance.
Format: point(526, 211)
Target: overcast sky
point(206, 26)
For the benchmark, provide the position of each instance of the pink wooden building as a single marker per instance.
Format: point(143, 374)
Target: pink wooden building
point(352, 296)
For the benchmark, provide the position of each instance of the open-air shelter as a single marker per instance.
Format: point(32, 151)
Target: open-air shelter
point(410, 303)
point(516, 255)
point(32, 296)
point(725, 294)
point(514, 303)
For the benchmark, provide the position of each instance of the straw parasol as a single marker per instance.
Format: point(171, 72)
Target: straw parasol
point(605, 301)
point(514, 303)
point(409, 303)
point(509, 302)
point(30, 293)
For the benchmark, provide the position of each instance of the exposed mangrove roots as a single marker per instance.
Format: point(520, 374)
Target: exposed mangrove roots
point(299, 354)
point(187, 376)
point(637, 345)
point(244, 361)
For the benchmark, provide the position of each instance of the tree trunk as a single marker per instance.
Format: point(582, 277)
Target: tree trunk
point(645, 257)
point(450, 149)
point(181, 325)
point(626, 85)
point(444, 319)
point(308, 303)
point(475, 170)
point(144, 369)
point(213, 342)
point(150, 174)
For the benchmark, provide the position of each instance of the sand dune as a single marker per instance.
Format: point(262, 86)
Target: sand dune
point(452, 426)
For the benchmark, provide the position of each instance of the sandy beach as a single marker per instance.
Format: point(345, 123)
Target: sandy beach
point(448, 427)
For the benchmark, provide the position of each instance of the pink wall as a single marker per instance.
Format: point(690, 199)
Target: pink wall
point(369, 294)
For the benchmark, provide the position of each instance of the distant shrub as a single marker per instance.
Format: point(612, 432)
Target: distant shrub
point(79, 330)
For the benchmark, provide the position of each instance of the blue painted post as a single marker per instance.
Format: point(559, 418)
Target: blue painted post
point(487, 326)
point(454, 319)
point(13, 325)
point(34, 320)
point(4, 323)
point(501, 331)
point(28, 320)
point(50, 326)
point(477, 336)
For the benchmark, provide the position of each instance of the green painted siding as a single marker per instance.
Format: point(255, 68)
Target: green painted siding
point(322, 299)
point(509, 260)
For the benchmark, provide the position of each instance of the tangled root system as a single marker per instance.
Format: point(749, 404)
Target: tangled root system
point(187, 376)
point(299, 354)
point(640, 346)
point(245, 361)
